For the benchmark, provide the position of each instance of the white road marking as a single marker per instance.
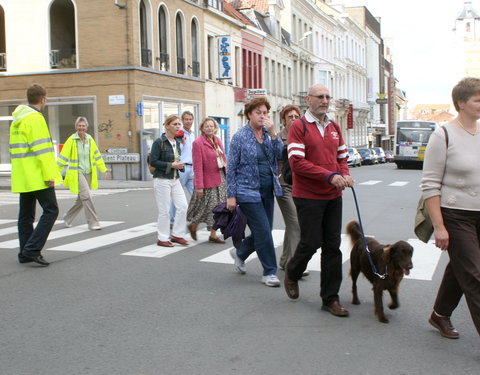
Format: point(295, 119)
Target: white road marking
point(370, 182)
point(7, 221)
point(399, 183)
point(108, 239)
point(155, 251)
point(13, 198)
point(60, 233)
point(425, 256)
point(345, 247)
point(425, 259)
point(224, 255)
point(14, 229)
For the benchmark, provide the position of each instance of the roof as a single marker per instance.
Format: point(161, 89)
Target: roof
point(229, 10)
point(468, 11)
point(259, 5)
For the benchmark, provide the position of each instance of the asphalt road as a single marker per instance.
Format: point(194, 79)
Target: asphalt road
point(99, 311)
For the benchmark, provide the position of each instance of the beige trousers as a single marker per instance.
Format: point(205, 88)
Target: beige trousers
point(292, 229)
point(84, 199)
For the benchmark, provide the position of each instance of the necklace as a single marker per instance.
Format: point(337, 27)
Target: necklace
point(468, 131)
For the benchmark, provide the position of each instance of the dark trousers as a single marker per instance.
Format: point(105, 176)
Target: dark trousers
point(320, 227)
point(33, 240)
point(260, 221)
point(462, 275)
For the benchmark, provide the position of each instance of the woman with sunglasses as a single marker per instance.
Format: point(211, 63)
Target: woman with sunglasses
point(288, 115)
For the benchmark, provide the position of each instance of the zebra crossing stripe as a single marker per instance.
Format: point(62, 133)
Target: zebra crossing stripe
point(60, 233)
point(370, 182)
point(399, 183)
point(107, 239)
point(7, 221)
point(425, 259)
point(14, 229)
point(225, 258)
point(154, 251)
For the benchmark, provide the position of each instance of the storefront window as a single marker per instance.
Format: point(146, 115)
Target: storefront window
point(60, 117)
point(154, 114)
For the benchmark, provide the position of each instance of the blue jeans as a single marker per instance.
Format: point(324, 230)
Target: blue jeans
point(32, 240)
point(260, 221)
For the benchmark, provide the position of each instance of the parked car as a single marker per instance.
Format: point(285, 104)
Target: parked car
point(354, 158)
point(375, 155)
point(368, 156)
point(389, 157)
point(381, 154)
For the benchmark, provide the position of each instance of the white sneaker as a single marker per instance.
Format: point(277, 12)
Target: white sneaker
point(239, 264)
point(271, 280)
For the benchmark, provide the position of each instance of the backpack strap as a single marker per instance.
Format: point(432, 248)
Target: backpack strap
point(304, 125)
point(446, 135)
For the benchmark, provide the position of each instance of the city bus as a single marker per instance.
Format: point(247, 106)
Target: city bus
point(411, 138)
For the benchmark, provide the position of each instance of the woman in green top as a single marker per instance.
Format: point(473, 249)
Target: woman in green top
point(81, 154)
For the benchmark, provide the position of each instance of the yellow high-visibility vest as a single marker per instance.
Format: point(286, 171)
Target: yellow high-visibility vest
point(31, 151)
point(69, 155)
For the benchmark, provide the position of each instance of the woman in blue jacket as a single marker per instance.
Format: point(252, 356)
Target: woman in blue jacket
point(252, 181)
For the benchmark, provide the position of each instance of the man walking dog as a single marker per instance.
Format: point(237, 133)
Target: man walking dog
point(318, 157)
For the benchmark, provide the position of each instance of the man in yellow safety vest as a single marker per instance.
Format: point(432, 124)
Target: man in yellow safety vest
point(34, 174)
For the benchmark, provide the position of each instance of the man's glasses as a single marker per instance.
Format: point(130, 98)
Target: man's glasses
point(328, 97)
point(293, 117)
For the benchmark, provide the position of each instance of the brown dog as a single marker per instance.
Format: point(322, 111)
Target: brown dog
point(392, 260)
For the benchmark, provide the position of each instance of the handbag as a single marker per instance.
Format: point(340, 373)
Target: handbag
point(423, 223)
point(151, 168)
point(423, 226)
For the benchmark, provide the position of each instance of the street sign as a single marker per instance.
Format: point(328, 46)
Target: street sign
point(121, 158)
point(116, 150)
point(381, 101)
point(251, 93)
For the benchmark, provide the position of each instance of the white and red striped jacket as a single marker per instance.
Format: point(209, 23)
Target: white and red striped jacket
point(315, 159)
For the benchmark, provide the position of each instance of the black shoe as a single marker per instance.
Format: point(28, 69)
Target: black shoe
point(37, 259)
point(22, 259)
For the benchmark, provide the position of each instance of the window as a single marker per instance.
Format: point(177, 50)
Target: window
point(237, 67)
point(210, 56)
point(164, 58)
point(145, 51)
point(3, 54)
point(217, 4)
point(195, 48)
point(62, 35)
point(179, 44)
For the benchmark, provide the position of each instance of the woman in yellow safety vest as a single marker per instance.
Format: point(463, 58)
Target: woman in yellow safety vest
point(81, 154)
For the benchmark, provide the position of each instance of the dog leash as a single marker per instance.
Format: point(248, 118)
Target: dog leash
point(364, 240)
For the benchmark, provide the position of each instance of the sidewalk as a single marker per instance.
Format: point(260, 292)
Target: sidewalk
point(5, 184)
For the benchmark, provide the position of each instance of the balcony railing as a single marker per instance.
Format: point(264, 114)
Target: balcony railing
point(63, 58)
point(195, 68)
point(180, 65)
point(3, 61)
point(146, 57)
point(164, 61)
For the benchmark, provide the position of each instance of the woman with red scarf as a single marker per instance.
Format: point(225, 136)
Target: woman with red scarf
point(209, 165)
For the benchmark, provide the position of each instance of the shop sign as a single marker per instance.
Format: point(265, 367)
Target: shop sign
point(224, 57)
point(350, 117)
